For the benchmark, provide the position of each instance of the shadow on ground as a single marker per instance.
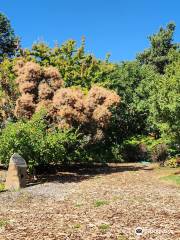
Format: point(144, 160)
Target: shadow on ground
point(79, 173)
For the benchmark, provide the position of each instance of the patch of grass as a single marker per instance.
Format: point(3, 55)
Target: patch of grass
point(3, 223)
point(2, 187)
point(104, 227)
point(76, 226)
point(172, 178)
point(99, 203)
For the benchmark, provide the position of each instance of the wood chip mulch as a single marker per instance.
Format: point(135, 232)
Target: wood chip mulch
point(109, 203)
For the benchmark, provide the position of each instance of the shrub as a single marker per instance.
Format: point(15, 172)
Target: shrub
point(36, 143)
point(134, 150)
point(61, 146)
point(90, 112)
point(117, 153)
point(37, 86)
point(25, 138)
point(159, 153)
point(173, 163)
point(142, 148)
point(41, 144)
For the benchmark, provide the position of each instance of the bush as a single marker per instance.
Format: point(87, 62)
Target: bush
point(173, 163)
point(135, 150)
point(117, 155)
point(142, 148)
point(38, 144)
point(61, 146)
point(159, 153)
point(41, 145)
point(15, 138)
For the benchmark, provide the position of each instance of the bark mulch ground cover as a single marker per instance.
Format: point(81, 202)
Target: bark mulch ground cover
point(99, 203)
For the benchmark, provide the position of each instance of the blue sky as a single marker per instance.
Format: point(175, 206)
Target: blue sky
point(119, 27)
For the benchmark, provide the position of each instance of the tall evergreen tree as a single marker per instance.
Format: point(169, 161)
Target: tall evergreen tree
point(8, 41)
point(161, 45)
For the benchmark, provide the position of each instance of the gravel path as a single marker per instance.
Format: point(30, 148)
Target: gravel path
point(95, 206)
point(57, 191)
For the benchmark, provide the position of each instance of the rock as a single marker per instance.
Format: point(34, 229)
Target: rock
point(16, 175)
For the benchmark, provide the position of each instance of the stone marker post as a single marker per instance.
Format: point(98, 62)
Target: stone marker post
point(16, 175)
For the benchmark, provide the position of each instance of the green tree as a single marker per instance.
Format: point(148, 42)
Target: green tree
point(131, 116)
point(8, 89)
point(161, 100)
point(76, 67)
point(8, 41)
point(166, 102)
point(161, 45)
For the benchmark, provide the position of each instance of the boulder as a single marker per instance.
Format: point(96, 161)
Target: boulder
point(16, 175)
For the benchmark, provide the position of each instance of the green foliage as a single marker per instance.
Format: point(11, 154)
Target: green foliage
point(163, 103)
point(99, 203)
point(76, 67)
point(104, 227)
point(161, 45)
point(169, 99)
point(2, 187)
point(117, 153)
point(8, 90)
point(172, 162)
point(134, 149)
point(23, 138)
point(37, 144)
point(8, 40)
point(7, 77)
point(40, 144)
point(61, 147)
point(3, 223)
point(143, 148)
point(77, 226)
point(131, 116)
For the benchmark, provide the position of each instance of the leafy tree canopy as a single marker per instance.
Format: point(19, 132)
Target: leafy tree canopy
point(76, 67)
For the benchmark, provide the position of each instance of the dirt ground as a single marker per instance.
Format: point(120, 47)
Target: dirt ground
point(99, 203)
